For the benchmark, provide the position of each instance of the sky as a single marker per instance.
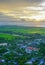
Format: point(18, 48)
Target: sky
point(22, 12)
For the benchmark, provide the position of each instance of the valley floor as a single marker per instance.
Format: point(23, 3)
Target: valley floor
point(22, 46)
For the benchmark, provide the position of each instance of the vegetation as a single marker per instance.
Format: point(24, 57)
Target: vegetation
point(13, 46)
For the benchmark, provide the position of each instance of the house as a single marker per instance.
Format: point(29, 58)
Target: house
point(2, 60)
point(23, 46)
point(41, 62)
point(3, 44)
point(30, 61)
point(30, 49)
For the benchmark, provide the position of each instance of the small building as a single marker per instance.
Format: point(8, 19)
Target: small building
point(30, 49)
point(3, 44)
point(41, 62)
point(31, 61)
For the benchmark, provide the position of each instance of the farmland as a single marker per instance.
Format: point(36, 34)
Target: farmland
point(24, 30)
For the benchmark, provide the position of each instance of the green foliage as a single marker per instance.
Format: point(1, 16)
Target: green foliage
point(3, 50)
point(10, 53)
point(9, 56)
point(42, 49)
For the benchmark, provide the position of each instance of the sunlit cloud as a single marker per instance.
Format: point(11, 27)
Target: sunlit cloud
point(42, 4)
point(26, 14)
point(37, 13)
point(23, 10)
point(36, 8)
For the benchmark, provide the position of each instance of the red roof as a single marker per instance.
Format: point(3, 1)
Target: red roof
point(32, 48)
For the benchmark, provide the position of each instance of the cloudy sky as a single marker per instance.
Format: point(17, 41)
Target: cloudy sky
point(22, 12)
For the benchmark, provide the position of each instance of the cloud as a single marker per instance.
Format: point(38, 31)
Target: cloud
point(31, 13)
point(4, 17)
point(22, 12)
point(42, 4)
point(35, 8)
point(21, 0)
point(24, 21)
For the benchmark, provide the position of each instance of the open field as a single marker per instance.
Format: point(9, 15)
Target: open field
point(24, 30)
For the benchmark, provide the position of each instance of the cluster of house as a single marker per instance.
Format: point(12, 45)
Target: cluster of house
point(30, 49)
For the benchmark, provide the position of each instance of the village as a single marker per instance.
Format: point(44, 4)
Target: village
point(23, 51)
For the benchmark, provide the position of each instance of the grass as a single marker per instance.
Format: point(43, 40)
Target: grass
point(10, 37)
point(24, 30)
point(6, 36)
